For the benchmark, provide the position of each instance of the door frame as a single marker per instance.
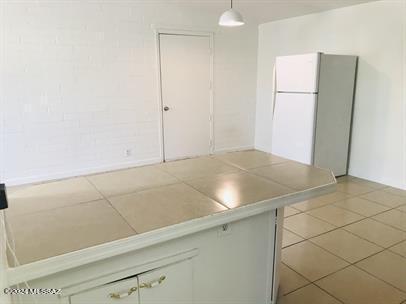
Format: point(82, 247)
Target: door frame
point(158, 31)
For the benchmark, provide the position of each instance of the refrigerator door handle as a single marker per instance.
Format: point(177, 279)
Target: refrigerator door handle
point(274, 90)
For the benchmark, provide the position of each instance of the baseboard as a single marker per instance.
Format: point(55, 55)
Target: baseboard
point(234, 149)
point(80, 172)
point(395, 184)
point(263, 149)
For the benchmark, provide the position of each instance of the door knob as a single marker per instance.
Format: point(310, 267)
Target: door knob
point(166, 108)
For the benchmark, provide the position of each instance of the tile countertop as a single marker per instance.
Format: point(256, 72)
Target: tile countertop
point(54, 218)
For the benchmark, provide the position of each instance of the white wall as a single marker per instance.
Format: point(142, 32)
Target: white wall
point(79, 84)
point(373, 31)
point(5, 299)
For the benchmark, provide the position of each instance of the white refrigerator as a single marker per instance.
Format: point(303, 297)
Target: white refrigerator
point(312, 109)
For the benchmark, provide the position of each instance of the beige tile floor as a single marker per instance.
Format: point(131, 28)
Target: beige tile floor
point(346, 247)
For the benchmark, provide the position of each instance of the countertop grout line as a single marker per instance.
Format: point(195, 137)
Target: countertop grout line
point(273, 180)
point(249, 170)
point(144, 189)
point(56, 208)
point(179, 181)
point(107, 199)
point(229, 162)
point(240, 170)
point(187, 184)
point(220, 203)
point(114, 208)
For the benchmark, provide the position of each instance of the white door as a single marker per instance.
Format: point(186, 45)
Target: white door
point(297, 73)
point(185, 81)
point(293, 126)
point(168, 285)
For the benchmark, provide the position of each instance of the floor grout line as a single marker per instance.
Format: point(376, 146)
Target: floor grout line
point(327, 292)
point(389, 249)
point(338, 227)
point(353, 265)
point(381, 250)
point(373, 275)
point(342, 228)
point(349, 263)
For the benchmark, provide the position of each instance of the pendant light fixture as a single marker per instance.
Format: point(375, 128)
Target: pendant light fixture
point(231, 18)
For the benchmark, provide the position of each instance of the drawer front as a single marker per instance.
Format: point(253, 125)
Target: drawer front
point(121, 292)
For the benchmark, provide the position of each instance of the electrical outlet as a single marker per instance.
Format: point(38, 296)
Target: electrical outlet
point(128, 152)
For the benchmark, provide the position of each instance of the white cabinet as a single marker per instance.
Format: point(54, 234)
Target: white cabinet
point(125, 290)
point(213, 266)
point(165, 285)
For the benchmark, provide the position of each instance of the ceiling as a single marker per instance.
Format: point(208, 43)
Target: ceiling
point(262, 11)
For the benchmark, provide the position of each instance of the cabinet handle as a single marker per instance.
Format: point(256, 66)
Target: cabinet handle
point(153, 283)
point(116, 295)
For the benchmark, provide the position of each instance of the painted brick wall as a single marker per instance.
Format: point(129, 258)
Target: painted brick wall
point(79, 85)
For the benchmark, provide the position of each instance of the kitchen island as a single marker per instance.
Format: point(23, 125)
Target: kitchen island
point(201, 230)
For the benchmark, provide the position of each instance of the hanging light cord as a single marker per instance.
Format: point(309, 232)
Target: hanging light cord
point(231, 4)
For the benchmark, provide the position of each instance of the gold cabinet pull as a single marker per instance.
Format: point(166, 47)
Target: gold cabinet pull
point(116, 295)
point(153, 283)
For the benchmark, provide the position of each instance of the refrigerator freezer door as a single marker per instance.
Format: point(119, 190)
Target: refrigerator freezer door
point(293, 126)
point(298, 73)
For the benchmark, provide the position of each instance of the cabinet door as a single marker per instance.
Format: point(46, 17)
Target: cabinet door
point(167, 285)
point(123, 292)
